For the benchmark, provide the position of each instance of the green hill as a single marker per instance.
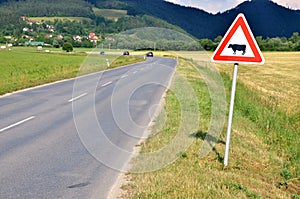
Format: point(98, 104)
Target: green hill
point(85, 17)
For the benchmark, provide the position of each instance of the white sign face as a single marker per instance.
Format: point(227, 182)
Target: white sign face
point(238, 45)
point(238, 38)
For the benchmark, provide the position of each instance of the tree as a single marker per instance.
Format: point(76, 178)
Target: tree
point(3, 40)
point(206, 44)
point(55, 43)
point(295, 37)
point(67, 47)
point(218, 39)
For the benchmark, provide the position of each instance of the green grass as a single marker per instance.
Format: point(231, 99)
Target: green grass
point(279, 129)
point(264, 154)
point(25, 67)
point(110, 13)
point(125, 60)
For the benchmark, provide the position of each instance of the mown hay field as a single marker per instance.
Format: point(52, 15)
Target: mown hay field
point(264, 155)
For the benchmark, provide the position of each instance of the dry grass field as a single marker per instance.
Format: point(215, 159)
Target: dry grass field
point(278, 78)
point(264, 155)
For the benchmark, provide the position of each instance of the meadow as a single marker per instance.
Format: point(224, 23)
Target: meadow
point(264, 160)
point(112, 14)
point(25, 67)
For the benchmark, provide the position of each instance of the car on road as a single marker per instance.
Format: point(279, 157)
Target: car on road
point(102, 53)
point(149, 54)
point(125, 53)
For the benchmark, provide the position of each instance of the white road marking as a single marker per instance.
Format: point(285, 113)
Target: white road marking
point(76, 98)
point(124, 76)
point(106, 84)
point(135, 72)
point(17, 123)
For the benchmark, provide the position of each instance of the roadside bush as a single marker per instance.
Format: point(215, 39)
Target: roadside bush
point(68, 47)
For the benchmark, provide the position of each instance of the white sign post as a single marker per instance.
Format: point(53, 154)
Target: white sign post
point(237, 46)
point(233, 87)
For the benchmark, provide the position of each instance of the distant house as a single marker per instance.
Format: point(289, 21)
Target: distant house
point(77, 38)
point(51, 28)
point(23, 18)
point(30, 22)
point(34, 43)
point(8, 37)
point(25, 29)
point(95, 38)
point(91, 35)
point(48, 36)
point(60, 37)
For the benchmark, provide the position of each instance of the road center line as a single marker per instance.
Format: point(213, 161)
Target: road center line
point(106, 84)
point(17, 123)
point(76, 98)
point(123, 76)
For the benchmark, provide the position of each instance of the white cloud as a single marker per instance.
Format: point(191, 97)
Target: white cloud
point(294, 4)
point(215, 6)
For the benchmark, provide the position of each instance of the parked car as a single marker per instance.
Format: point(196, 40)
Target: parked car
point(125, 53)
point(149, 54)
point(102, 53)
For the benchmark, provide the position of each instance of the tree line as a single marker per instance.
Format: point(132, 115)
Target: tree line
point(265, 44)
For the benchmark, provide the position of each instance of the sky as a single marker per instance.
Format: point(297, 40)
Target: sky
point(214, 6)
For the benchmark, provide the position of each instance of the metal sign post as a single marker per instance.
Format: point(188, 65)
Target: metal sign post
point(233, 88)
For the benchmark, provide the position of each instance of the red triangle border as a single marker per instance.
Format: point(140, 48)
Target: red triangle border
point(240, 21)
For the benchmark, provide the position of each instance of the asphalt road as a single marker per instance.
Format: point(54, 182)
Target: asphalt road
point(71, 139)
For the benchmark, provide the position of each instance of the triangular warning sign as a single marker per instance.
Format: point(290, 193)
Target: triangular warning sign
point(238, 45)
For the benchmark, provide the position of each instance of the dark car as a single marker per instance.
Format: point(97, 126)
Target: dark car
point(102, 53)
point(125, 53)
point(149, 54)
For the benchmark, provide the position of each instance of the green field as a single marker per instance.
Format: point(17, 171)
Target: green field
point(264, 159)
point(25, 67)
point(110, 13)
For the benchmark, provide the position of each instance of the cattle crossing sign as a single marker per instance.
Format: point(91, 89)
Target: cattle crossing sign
point(238, 45)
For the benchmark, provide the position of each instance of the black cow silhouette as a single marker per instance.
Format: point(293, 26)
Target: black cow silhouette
point(238, 47)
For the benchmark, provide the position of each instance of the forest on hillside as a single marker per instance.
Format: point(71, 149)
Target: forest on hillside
point(265, 17)
point(12, 26)
point(10, 10)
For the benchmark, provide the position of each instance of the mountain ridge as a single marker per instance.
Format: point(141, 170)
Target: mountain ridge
point(266, 18)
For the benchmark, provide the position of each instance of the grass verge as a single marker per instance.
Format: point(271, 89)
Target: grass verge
point(125, 60)
point(264, 155)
